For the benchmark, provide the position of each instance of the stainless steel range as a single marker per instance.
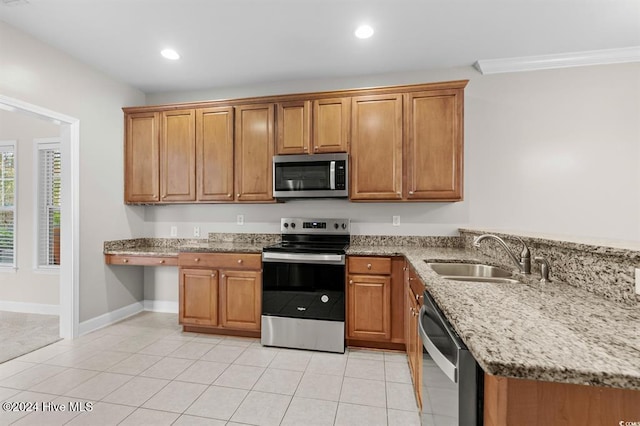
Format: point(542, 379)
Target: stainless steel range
point(303, 285)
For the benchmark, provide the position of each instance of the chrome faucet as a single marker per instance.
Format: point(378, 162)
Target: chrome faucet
point(524, 264)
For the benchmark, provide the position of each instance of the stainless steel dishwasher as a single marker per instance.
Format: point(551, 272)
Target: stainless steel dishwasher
point(452, 384)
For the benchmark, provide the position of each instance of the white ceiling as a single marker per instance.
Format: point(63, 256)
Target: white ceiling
point(238, 42)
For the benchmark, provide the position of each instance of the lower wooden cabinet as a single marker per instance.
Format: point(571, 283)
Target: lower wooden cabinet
point(198, 297)
point(240, 299)
point(220, 291)
point(413, 342)
point(375, 302)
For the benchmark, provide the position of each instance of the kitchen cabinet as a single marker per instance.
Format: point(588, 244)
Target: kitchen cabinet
point(178, 156)
point(214, 154)
point(142, 158)
point(509, 401)
point(376, 147)
point(434, 145)
point(221, 292)
point(299, 131)
point(369, 298)
point(254, 152)
point(413, 293)
point(140, 260)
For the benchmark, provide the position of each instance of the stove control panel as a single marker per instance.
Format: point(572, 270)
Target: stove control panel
point(315, 226)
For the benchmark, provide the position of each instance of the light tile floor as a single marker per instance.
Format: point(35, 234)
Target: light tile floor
point(146, 371)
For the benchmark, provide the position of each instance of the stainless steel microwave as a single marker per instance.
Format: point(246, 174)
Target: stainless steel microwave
point(311, 176)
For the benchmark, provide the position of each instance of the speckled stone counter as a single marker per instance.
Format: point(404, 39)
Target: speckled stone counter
point(550, 332)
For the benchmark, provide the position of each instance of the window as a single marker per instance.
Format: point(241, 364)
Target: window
point(48, 193)
point(7, 203)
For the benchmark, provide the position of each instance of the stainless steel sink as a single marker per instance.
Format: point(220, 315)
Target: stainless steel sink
point(468, 270)
point(495, 280)
point(472, 272)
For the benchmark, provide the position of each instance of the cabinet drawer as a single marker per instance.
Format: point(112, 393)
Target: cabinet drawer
point(370, 265)
point(221, 260)
point(121, 259)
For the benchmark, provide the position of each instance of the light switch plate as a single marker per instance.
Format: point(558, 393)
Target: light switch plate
point(196, 231)
point(396, 221)
point(174, 231)
point(240, 219)
point(637, 280)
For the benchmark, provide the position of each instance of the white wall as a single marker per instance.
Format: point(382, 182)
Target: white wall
point(24, 285)
point(549, 151)
point(38, 74)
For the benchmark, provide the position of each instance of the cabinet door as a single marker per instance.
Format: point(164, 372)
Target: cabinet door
point(254, 152)
point(434, 145)
point(376, 148)
point(414, 344)
point(294, 127)
point(214, 154)
point(240, 299)
point(198, 297)
point(142, 158)
point(178, 156)
point(369, 307)
point(331, 124)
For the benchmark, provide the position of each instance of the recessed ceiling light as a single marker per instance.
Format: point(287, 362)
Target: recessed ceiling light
point(170, 54)
point(364, 31)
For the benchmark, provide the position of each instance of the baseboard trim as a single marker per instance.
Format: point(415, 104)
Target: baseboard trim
point(109, 318)
point(165, 306)
point(30, 308)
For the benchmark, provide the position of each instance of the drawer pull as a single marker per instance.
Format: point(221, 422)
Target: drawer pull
point(410, 192)
point(162, 261)
point(368, 266)
point(125, 261)
point(197, 259)
point(228, 195)
point(239, 261)
point(419, 296)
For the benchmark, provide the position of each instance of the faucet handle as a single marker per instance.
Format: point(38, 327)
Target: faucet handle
point(544, 268)
point(525, 253)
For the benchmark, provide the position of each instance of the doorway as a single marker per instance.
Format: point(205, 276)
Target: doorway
point(69, 209)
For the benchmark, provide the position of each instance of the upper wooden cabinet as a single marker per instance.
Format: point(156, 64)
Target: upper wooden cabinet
point(376, 148)
point(299, 131)
point(254, 152)
point(433, 151)
point(405, 144)
point(142, 158)
point(178, 156)
point(214, 154)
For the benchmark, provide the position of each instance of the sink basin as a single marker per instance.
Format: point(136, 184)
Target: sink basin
point(495, 280)
point(469, 270)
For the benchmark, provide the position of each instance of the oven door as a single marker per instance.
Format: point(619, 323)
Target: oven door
point(307, 286)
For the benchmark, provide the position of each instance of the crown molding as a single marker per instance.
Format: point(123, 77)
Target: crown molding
point(562, 60)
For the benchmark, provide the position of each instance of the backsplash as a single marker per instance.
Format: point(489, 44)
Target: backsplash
point(265, 239)
point(405, 241)
point(606, 271)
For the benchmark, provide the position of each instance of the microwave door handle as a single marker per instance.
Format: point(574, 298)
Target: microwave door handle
point(332, 175)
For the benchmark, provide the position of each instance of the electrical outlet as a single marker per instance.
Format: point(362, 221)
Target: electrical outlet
point(196, 231)
point(174, 231)
point(637, 280)
point(240, 219)
point(396, 221)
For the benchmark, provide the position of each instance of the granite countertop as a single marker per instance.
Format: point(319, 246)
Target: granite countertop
point(550, 332)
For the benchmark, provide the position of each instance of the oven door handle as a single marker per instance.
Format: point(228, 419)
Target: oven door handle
point(447, 367)
point(325, 259)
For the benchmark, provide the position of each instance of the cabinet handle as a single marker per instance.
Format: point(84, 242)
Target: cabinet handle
point(404, 268)
point(415, 313)
point(164, 196)
point(350, 281)
point(239, 261)
point(304, 149)
point(410, 192)
point(125, 261)
point(238, 194)
point(411, 279)
point(223, 275)
point(213, 275)
point(368, 266)
point(162, 261)
point(197, 259)
point(228, 195)
point(418, 297)
point(315, 149)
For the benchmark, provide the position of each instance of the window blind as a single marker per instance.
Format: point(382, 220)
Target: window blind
point(7, 204)
point(49, 180)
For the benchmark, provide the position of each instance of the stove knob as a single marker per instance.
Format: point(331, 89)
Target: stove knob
point(335, 225)
point(293, 225)
point(344, 226)
point(286, 225)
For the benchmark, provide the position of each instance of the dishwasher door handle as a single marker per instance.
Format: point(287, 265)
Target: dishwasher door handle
point(447, 367)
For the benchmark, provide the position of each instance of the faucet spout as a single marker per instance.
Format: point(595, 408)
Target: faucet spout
point(523, 264)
